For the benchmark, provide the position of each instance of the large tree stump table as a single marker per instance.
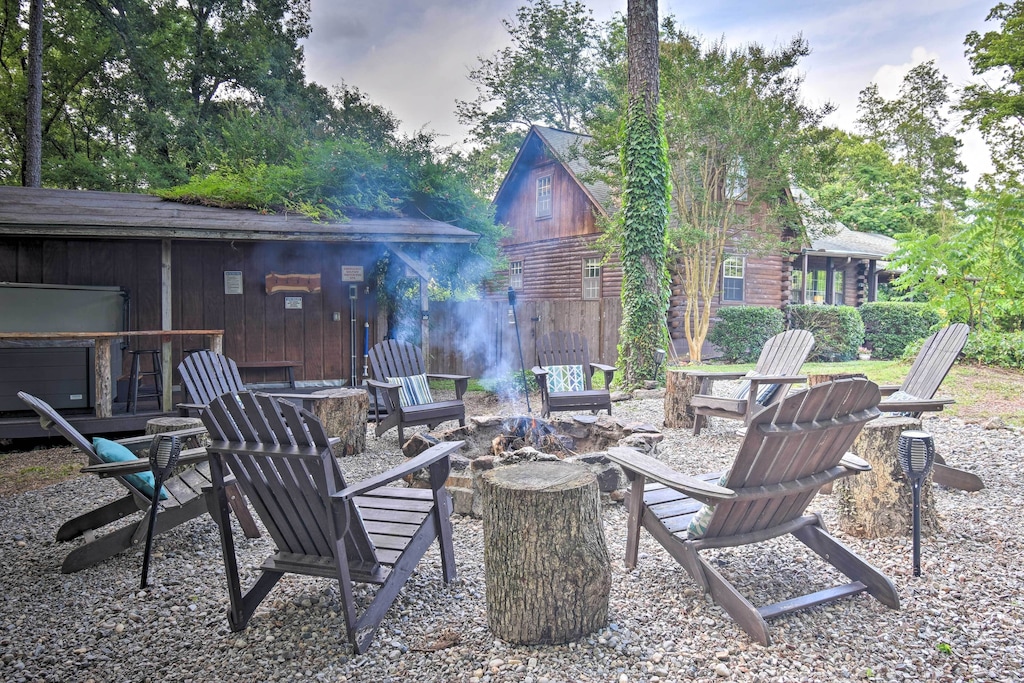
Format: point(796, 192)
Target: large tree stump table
point(343, 413)
point(879, 503)
point(546, 564)
point(680, 387)
point(162, 425)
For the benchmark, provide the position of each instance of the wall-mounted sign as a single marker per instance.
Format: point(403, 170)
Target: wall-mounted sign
point(232, 282)
point(351, 273)
point(293, 302)
point(293, 282)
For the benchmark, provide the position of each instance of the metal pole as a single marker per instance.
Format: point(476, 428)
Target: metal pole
point(519, 341)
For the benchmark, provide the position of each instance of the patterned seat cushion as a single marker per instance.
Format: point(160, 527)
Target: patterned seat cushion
point(565, 378)
point(414, 390)
point(699, 522)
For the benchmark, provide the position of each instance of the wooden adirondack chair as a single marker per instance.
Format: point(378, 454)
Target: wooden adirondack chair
point(205, 375)
point(917, 395)
point(365, 532)
point(559, 353)
point(789, 451)
point(781, 359)
point(933, 363)
point(184, 502)
point(394, 360)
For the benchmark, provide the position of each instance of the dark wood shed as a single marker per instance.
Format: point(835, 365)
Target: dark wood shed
point(281, 286)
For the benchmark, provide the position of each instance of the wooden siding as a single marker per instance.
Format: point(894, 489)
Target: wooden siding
point(572, 212)
point(475, 337)
point(256, 324)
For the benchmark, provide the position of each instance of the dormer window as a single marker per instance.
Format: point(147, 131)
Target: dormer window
point(544, 197)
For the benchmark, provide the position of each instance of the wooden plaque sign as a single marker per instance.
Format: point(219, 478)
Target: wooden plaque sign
point(293, 282)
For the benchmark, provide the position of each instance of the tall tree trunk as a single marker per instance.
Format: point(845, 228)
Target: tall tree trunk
point(34, 101)
point(645, 202)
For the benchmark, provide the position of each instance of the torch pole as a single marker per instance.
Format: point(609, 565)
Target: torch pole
point(519, 342)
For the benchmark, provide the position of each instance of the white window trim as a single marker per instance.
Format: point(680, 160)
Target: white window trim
point(546, 200)
point(594, 280)
point(742, 277)
point(515, 274)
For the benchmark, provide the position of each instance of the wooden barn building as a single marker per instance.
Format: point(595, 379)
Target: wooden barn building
point(554, 209)
point(282, 287)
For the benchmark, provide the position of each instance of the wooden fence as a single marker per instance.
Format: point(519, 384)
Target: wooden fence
point(476, 338)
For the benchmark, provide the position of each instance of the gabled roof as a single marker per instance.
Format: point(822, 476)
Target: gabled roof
point(79, 213)
point(829, 237)
point(566, 148)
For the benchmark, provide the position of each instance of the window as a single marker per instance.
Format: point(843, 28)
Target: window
point(732, 278)
point(515, 274)
point(736, 184)
point(796, 290)
point(838, 296)
point(591, 278)
point(544, 197)
point(816, 287)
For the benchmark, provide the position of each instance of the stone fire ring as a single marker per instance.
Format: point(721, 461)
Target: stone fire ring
point(496, 441)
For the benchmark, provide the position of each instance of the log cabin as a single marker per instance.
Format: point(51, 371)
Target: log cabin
point(554, 209)
point(282, 287)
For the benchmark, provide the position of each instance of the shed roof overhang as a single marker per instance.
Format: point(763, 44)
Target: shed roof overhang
point(115, 215)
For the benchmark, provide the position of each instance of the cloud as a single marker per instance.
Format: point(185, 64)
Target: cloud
point(889, 77)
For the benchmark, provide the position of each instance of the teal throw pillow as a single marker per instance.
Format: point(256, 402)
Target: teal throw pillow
point(565, 378)
point(111, 451)
point(414, 390)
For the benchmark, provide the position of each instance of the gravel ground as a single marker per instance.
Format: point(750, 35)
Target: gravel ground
point(961, 621)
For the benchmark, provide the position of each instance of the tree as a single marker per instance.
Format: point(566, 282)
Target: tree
point(736, 128)
point(34, 101)
point(866, 190)
point(996, 104)
point(913, 128)
point(644, 212)
point(975, 273)
point(546, 76)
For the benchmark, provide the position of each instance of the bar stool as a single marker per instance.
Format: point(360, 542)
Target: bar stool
point(137, 375)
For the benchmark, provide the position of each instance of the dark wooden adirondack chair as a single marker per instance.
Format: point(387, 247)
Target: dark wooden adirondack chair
point(933, 363)
point(917, 395)
point(781, 359)
point(789, 451)
point(392, 361)
point(206, 375)
point(184, 502)
point(361, 533)
point(565, 375)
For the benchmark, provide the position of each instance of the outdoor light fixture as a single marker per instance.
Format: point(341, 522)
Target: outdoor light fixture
point(163, 456)
point(917, 455)
point(522, 365)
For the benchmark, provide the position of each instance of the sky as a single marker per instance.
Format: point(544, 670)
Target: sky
point(414, 56)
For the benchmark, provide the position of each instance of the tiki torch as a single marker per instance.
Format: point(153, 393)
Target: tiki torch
point(519, 341)
point(916, 454)
point(163, 456)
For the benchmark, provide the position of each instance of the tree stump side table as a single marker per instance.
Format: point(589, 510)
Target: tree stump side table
point(879, 503)
point(343, 413)
point(160, 425)
point(546, 564)
point(680, 387)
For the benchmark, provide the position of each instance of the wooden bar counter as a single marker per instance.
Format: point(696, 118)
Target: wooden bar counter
point(103, 342)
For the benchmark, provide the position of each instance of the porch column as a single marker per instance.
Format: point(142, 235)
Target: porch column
point(803, 281)
point(425, 323)
point(872, 281)
point(830, 285)
point(165, 321)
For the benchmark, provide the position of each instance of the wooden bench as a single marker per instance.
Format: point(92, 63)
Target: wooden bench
point(288, 365)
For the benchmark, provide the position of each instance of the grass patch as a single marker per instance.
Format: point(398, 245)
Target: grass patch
point(980, 391)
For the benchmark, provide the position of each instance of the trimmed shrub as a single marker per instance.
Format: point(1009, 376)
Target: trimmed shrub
point(838, 330)
point(890, 325)
point(1003, 349)
point(741, 331)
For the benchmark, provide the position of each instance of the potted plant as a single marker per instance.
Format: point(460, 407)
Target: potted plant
point(864, 353)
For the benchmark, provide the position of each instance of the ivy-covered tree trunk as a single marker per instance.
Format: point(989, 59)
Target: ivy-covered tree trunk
point(645, 202)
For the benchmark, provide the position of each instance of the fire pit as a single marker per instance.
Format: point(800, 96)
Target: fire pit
point(496, 441)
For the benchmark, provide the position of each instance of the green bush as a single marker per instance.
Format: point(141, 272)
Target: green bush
point(838, 330)
point(741, 331)
point(1003, 349)
point(890, 325)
